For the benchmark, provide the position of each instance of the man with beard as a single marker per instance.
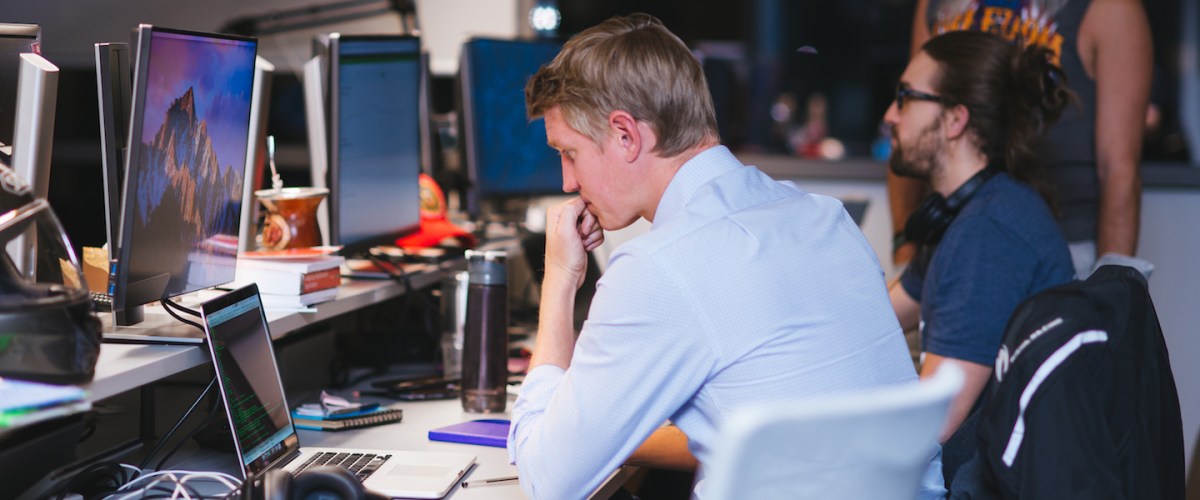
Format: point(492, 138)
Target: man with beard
point(968, 112)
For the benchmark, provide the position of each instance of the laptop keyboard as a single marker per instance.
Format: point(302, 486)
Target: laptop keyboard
point(361, 464)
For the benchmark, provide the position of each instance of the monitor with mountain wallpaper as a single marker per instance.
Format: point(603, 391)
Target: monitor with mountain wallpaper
point(185, 165)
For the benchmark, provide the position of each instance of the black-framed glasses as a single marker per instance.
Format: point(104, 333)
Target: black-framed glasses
point(904, 93)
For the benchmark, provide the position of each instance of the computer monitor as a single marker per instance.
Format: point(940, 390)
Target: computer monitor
point(15, 39)
point(506, 154)
point(33, 136)
point(113, 93)
point(374, 147)
point(315, 121)
point(186, 160)
point(256, 152)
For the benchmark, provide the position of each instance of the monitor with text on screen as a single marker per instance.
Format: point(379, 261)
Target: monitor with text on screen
point(506, 154)
point(374, 138)
point(185, 162)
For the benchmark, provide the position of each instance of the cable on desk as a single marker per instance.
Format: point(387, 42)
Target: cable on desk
point(97, 479)
point(179, 479)
point(146, 459)
point(178, 444)
point(186, 310)
point(170, 306)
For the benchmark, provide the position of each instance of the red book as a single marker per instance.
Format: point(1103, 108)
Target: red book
point(283, 282)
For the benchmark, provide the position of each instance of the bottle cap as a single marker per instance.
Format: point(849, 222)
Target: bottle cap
point(487, 267)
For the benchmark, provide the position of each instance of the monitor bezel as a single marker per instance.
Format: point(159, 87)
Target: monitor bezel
point(114, 91)
point(256, 150)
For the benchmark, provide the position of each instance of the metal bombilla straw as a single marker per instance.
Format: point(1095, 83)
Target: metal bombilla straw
point(276, 180)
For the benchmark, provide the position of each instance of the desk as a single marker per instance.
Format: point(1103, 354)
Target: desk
point(124, 367)
point(413, 434)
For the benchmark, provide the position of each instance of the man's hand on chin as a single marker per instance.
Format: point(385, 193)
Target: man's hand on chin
point(571, 232)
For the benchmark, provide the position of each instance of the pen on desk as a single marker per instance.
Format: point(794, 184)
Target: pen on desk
point(488, 482)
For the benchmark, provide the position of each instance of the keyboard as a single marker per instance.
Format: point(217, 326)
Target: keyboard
point(102, 302)
point(361, 464)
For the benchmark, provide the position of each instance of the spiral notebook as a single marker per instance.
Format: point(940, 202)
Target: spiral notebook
point(375, 417)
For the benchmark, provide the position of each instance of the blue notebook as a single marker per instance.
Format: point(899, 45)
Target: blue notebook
point(487, 432)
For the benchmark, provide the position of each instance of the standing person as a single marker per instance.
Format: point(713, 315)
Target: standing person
point(968, 111)
point(1091, 155)
point(745, 290)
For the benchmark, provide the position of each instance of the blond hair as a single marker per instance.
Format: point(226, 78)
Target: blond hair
point(634, 64)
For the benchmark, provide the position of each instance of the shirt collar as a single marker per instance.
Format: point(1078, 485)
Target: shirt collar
point(696, 172)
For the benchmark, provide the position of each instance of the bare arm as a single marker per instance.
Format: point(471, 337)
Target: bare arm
point(908, 310)
point(976, 377)
point(571, 232)
point(1121, 66)
point(920, 28)
point(667, 449)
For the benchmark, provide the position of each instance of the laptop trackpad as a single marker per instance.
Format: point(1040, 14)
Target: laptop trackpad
point(421, 470)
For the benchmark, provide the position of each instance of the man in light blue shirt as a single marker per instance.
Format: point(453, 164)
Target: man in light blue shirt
point(745, 291)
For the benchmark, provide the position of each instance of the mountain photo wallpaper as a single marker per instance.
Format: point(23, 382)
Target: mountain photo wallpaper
point(186, 182)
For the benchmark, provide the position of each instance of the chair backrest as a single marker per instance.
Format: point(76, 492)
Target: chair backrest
point(874, 444)
point(1082, 388)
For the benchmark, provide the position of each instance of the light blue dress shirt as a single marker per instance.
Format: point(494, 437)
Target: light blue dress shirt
point(746, 290)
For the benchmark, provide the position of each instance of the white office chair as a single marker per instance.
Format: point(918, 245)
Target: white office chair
point(872, 444)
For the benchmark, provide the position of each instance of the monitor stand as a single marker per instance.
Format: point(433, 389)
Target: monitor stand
point(129, 315)
point(141, 291)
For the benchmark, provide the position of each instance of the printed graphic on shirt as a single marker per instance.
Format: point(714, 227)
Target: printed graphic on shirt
point(1027, 21)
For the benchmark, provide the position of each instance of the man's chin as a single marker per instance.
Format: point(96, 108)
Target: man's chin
point(905, 170)
point(608, 225)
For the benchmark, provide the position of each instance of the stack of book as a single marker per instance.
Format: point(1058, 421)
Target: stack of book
point(292, 283)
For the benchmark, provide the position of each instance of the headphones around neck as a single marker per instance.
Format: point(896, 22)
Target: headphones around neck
point(927, 224)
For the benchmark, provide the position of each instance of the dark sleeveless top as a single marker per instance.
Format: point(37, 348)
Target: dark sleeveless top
point(1069, 148)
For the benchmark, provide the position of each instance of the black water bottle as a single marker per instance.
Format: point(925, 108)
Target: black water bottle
point(485, 342)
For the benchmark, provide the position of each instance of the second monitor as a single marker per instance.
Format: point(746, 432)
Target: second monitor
point(374, 140)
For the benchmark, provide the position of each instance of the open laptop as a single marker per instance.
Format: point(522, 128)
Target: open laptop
point(264, 435)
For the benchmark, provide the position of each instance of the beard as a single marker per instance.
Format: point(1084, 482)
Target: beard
point(918, 160)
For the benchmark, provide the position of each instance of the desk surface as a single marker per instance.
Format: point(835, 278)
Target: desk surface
point(412, 433)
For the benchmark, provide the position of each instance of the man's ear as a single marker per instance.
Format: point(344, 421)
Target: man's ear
point(626, 134)
point(955, 124)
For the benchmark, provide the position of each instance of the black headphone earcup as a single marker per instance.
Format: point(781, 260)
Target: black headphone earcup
point(927, 223)
point(272, 485)
point(328, 482)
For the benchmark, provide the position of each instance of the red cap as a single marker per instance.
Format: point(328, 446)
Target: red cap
point(435, 227)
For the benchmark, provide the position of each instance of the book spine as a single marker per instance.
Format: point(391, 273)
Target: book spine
point(321, 280)
point(291, 283)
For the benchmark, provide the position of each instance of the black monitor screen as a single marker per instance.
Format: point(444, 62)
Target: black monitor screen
point(15, 39)
point(507, 154)
point(375, 139)
point(186, 162)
